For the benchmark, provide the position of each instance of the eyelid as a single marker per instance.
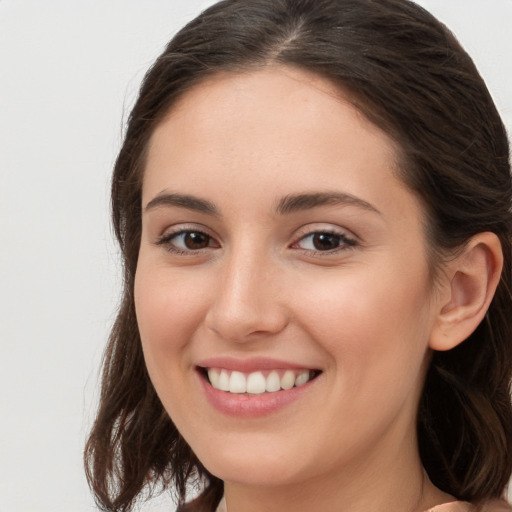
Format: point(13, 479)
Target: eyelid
point(175, 229)
point(324, 227)
point(165, 239)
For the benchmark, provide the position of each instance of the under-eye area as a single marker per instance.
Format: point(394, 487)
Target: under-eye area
point(257, 382)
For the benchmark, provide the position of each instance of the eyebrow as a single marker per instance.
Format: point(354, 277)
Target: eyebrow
point(299, 202)
point(182, 201)
point(287, 205)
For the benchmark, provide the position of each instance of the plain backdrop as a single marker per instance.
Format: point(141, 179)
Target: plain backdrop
point(69, 72)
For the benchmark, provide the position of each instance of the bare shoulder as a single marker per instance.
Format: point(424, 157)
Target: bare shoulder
point(495, 506)
point(201, 505)
point(463, 506)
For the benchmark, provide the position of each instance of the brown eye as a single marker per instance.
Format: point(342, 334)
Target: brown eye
point(324, 241)
point(195, 240)
point(187, 241)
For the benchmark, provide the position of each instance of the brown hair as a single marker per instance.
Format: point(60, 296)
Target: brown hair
point(410, 76)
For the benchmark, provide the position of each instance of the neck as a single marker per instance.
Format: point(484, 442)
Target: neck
point(381, 482)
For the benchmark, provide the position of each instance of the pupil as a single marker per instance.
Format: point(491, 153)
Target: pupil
point(196, 240)
point(325, 241)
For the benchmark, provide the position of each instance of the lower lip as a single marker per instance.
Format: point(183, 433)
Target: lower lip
point(250, 406)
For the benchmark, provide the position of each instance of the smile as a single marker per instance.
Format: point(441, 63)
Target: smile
point(258, 382)
point(254, 387)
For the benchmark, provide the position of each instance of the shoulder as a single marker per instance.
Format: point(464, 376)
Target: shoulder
point(199, 505)
point(453, 506)
point(495, 506)
point(463, 506)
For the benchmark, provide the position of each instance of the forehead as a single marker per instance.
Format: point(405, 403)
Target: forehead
point(278, 126)
point(235, 93)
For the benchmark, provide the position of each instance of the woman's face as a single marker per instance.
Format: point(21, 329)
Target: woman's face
point(279, 249)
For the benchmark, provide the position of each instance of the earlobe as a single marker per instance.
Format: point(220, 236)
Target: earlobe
point(471, 280)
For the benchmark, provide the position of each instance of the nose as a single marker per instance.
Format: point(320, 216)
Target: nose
point(248, 303)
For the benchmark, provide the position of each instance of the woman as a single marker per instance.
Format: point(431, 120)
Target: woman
point(313, 205)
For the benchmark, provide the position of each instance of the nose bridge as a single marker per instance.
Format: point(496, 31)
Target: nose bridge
point(247, 299)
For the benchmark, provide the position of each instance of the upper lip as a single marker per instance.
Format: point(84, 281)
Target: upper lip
point(252, 364)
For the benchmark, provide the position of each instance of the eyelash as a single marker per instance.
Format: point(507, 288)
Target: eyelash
point(166, 241)
point(344, 241)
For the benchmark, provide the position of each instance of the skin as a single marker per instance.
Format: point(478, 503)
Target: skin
point(364, 314)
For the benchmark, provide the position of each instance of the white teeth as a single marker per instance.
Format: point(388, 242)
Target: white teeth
point(302, 378)
point(214, 375)
point(223, 381)
point(288, 380)
point(237, 383)
point(255, 383)
point(273, 382)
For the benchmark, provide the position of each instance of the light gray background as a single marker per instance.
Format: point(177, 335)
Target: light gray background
point(69, 72)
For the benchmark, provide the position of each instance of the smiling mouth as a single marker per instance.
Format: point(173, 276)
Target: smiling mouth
point(259, 382)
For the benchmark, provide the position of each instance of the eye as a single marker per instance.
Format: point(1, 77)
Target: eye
point(324, 241)
point(187, 241)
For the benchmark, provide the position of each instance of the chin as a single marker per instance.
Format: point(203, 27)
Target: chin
point(256, 475)
point(252, 467)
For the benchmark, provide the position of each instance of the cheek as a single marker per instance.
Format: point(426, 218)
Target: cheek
point(168, 312)
point(169, 309)
point(375, 325)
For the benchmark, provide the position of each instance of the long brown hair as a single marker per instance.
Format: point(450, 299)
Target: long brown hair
point(407, 73)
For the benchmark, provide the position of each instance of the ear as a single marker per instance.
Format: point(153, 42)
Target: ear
point(468, 286)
